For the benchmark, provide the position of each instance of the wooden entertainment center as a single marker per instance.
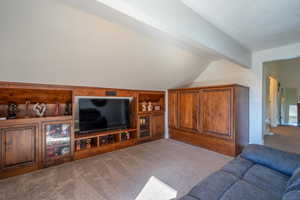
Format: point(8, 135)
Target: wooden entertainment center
point(25, 142)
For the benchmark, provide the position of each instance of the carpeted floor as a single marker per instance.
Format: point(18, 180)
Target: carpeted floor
point(118, 175)
point(286, 138)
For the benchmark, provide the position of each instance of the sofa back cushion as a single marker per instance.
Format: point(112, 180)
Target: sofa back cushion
point(281, 161)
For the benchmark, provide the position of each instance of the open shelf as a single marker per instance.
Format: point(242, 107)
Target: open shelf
point(102, 133)
point(38, 119)
point(156, 99)
point(58, 102)
point(104, 140)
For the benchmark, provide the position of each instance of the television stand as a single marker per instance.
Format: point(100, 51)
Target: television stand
point(99, 142)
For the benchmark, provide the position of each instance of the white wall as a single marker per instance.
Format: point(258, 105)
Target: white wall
point(258, 58)
point(51, 42)
point(226, 72)
point(290, 73)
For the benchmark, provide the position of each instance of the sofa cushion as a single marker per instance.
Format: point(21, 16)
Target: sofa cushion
point(213, 186)
point(238, 166)
point(293, 195)
point(188, 197)
point(294, 181)
point(242, 190)
point(267, 179)
point(275, 159)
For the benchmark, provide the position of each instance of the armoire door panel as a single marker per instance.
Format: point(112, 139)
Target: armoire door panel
point(172, 101)
point(188, 110)
point(216, 106)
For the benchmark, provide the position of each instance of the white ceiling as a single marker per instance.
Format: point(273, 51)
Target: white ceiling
point(256, 24)
point(174, 20)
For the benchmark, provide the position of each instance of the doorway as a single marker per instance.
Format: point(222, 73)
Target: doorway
point(282, 104)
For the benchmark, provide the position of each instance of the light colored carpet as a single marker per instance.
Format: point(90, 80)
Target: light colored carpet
point(118, 175)
point(286, 138)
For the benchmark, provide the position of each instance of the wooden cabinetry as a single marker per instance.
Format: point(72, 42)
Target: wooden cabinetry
point(58, 137)
point(188, 108)
point(215, 117)
point(151, 126)
point(216, 111)
point(19, 148)
point(172, 112)
point(29, 142)
point(157, 125)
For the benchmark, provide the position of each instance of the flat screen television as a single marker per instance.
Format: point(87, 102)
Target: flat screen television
point(101, 114)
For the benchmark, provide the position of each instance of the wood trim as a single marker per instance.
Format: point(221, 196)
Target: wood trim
point(208, 87)
point(4, 84)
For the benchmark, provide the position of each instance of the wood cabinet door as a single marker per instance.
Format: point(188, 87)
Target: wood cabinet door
point(157, 125)
point(172, 111)
point(19, 146)
point(188, 110)
point(217, 111)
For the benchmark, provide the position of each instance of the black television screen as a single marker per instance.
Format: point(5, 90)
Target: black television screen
point(103, 114)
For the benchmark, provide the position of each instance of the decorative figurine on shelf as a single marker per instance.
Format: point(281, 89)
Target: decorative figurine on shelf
point(88, 143)
point(12, 110)
point(150, 106)
point(39, 109)
point(128, 136)
point(56, 111)
point(78, 145)
point(2, 115)
point(144, 106)
point(27, 111)
point(68, 108)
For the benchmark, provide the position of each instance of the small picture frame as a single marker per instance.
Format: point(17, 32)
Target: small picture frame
point(157, 108)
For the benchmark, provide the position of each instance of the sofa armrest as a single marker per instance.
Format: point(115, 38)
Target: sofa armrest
point(281, 161)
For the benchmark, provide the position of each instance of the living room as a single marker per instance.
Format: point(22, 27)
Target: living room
point(142, 99)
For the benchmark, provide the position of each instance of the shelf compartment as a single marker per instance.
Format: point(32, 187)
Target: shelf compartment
point(86, 136)
point(83, 153)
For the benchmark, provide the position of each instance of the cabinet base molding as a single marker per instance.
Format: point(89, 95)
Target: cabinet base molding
point(219, 145)
point(19, 171)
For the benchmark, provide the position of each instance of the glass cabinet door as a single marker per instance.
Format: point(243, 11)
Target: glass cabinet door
point(144, 124)
point(58, 140)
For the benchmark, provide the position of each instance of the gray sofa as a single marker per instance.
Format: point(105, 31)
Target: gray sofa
point(259, 173)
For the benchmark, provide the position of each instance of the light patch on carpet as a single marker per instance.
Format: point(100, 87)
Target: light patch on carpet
point(155, 189)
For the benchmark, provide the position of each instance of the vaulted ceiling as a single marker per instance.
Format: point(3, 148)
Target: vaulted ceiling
point(256, 24)
point(54, 43)
point(138, 44)
point(173, 19)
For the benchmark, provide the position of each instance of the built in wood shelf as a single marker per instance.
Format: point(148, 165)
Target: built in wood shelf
point(37, 119)
point(155, 112)
point(83, 153)
point(104, 133)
